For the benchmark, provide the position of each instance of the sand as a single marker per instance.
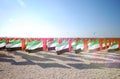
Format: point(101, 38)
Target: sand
point(48, 65)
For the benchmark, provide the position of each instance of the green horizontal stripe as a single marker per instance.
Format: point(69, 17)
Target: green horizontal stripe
point(15, 41)
point(32, 43)
point(2, 41)
point(63, 43)
point(114, 44)
point(79, 42)
point(53, 41)
point(94, 42)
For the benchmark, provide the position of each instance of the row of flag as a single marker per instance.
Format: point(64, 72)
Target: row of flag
point(54, 44)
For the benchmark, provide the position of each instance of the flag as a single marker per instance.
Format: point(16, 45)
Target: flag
point(2, 43)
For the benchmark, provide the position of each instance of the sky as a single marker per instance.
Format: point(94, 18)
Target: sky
point(59, 18)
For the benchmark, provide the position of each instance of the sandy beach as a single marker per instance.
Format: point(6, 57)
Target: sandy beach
point(49, 65)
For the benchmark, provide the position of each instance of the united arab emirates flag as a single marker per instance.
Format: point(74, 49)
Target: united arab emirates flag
point(2, 44)
point(94, 45)
point(62, 48)
point(78, 47)
point(113, 47)
point(73, 43)
point(52, 44)
point(34, 46)
point(14, 44)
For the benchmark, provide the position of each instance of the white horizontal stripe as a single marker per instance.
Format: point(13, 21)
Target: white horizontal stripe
point(17, 45)
point(40, 45)
point(89, 44)
point(80, 46)
point(73, 43)
point(2, 45)
point(94, 47)
point(9, 45)
point(53, 44)
point(62, 47)
point(13, 46)
point(114, 47)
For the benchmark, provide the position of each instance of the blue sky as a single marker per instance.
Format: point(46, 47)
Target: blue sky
point(60, 18)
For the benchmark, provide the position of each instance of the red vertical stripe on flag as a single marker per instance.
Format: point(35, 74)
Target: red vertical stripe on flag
point(70, 46)
point(44, 44)
point(85, 45)
point(23, 44)
point(100, 43)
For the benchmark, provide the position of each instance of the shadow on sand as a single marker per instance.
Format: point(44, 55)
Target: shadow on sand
point(87, 66)
point(58, 57)
point(30, 61)
point(95, 65)
point(5, 56)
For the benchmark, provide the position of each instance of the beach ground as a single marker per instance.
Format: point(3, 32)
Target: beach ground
point(49, 65)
